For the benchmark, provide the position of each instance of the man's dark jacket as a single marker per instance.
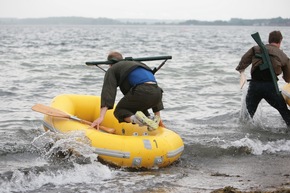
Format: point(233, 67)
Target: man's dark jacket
point(116, 76)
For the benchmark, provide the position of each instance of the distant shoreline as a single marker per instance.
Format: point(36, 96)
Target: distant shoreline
point(107, 21)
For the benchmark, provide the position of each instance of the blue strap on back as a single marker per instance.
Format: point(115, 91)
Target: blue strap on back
point(140, 75)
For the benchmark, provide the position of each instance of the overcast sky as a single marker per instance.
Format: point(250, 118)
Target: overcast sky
point(208, 10)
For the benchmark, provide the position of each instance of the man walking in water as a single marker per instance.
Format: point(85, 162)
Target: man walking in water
point(261, 85)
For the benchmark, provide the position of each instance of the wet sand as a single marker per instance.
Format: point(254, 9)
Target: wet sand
point(230, 189)
point(267, 174)
point(247, 173)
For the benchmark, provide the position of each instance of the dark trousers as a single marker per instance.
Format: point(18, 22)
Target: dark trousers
point(259, 90)
point(139, 98)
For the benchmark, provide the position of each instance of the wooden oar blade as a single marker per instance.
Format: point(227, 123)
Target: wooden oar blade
point(58, 113)
point(107, 129)
point(49, 111)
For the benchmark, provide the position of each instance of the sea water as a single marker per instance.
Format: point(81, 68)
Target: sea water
point(202, 97)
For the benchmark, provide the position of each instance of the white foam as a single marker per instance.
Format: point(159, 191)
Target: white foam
point(88, 174)
point(258, 147)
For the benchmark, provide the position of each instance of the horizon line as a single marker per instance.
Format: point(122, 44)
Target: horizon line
point(139, 18)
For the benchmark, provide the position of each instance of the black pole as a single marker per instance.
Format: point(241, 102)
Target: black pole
point(130, 59)
point(266, 60)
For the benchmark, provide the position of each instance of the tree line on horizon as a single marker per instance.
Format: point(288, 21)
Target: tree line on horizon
point(279, 21)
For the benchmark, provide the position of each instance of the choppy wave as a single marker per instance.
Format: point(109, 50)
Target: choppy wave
point(73, 147)
point(50, 178)
point(258, 147)
point(69, 159)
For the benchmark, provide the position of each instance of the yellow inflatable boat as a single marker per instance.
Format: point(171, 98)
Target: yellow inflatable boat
point(129, 146)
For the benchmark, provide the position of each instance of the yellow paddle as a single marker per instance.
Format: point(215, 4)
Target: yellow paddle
point(58, 113)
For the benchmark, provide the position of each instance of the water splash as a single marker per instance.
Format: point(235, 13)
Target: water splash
point(72, 147)
point(259, 147)
point(71, 160)
point(46, 177)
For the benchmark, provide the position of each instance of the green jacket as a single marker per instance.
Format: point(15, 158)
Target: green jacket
point(116, 76)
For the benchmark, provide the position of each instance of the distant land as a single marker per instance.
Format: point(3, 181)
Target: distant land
point(107, 21)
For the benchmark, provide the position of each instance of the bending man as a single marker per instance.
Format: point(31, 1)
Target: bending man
point(140, 89)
